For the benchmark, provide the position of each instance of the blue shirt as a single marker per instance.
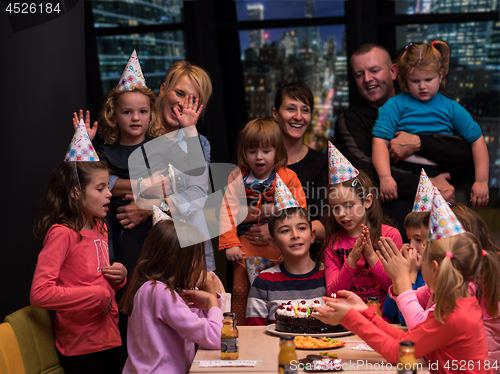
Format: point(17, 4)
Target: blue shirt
point(438, 115)
point(391, 310)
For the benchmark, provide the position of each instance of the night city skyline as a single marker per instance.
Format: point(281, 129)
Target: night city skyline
point(274, 9)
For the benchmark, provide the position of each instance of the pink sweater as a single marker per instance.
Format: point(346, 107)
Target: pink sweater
point(416, 306)
point(459, 339)
point(362, 280)
point(68, 279)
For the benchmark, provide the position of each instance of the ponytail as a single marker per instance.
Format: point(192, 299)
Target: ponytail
point(448, 282)
point(460, 260)
point(444, 50)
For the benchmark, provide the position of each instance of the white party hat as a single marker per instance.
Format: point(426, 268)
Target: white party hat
point(132, 76)
point(443, 222)
point(81, 148)
point(159, 215)
point(340, 169)
point(283, 198)
point(425, 194)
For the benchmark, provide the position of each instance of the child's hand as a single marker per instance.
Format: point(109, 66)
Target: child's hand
point(209, 285)
point(395, 265)
point(190, 112)
point(392, 259)
point(335, 309)
point(388, 189)
point(347, 298)
point(414, 259)
point(91, 131)
point(199, 299)
point(234, 254)
point(115, 273)
point(368, 252)
point(356, 251)
point(206, 281)
point(479, 195)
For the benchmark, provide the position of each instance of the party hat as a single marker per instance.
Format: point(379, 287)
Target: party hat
point(340, 169)
point(81, 148)
point(159, 215)
point(443, 222)
point(425, 194)
point(283, 198)
point(255, 265)
point(132, 76)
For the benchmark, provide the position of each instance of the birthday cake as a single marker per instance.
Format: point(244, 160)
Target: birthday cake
point(296, 318)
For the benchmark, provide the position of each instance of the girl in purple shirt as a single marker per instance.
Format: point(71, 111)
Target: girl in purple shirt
point(167, 314)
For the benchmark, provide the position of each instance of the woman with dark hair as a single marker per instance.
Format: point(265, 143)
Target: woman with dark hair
point(293, 107)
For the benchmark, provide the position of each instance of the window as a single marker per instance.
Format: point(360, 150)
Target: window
point(113, 13)
point(157, 50)
point(254, 10)
point(313, 55)
point(444, 6)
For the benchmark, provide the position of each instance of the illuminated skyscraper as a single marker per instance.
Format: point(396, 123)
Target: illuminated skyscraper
point(255, 12)
point(308, 37)
point(156, 51)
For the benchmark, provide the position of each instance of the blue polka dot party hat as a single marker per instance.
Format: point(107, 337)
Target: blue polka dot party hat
point(443, 222)
point(81, 148)
point(132, 76)
point(340, 168)
point(283, 198)
point(159, 215)
point(425, 194)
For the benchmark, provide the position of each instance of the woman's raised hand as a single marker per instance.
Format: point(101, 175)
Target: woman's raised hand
point(190, 112)
point(92, 131)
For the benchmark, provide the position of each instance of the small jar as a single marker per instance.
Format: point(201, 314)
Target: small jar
point(407, 362)
point(373, 300)
point(229, 349)
point(287, 359)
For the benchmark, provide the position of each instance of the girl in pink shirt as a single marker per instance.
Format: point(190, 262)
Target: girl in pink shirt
point(168, 316)
point(354, 223)
point(73, 275)
point(416, 305)
point(452, 337)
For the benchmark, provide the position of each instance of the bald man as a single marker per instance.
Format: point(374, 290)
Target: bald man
point(374, 74)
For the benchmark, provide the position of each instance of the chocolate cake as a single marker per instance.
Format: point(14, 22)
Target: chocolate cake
point(297, 318)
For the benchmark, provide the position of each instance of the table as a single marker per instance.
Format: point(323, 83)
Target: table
point(255, 343)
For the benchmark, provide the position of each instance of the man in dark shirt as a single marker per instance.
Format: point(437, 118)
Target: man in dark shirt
point(374, 73)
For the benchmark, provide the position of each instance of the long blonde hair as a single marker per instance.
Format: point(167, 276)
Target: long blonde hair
point(110, 131)
point(461, 260)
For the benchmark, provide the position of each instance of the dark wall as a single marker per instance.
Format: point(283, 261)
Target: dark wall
point(43, 83)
